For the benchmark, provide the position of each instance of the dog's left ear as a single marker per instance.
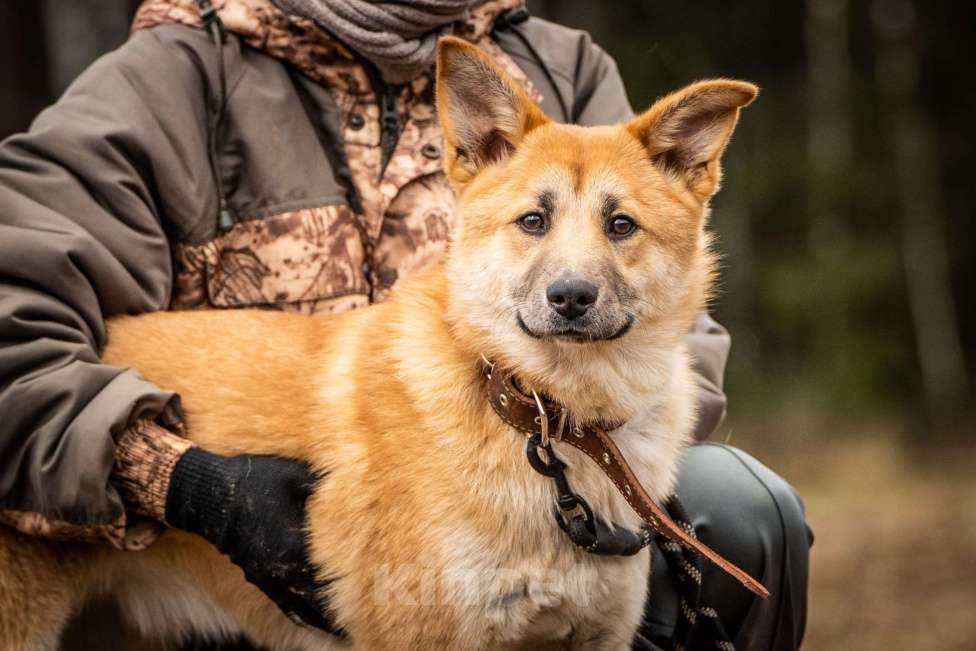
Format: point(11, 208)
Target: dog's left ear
point(686, 132)
point(484, 113)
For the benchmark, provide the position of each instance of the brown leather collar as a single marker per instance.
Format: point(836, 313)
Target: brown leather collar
point(534, 414)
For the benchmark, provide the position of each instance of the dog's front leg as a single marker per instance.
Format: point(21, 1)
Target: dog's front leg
point(609, 617)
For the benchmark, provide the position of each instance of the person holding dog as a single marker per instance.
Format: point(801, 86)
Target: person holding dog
point(285, 154)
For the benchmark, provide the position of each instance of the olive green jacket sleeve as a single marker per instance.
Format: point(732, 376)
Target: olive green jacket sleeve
point(580, 83)
point(709, 344)
point(82, 238)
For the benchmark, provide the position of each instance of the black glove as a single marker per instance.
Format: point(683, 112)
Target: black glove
point(252, 508)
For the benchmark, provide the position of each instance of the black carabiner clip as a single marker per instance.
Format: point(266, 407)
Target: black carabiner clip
point(553, 467)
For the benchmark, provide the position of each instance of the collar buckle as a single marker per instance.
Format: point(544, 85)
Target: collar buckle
point(543, 421)
point(487, 366)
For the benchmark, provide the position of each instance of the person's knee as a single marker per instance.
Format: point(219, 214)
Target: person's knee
point(739, 500)
point(753, 517)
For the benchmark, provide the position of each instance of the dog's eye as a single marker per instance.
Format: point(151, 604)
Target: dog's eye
point(533, 222)
point(620, 226)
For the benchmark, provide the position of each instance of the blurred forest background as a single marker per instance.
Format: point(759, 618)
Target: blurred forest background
point(847, 227)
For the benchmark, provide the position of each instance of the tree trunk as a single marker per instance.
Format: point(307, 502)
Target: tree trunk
point(924, 249)
point(23, 66)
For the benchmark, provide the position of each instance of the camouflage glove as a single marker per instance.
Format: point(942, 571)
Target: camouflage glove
point(252, 508)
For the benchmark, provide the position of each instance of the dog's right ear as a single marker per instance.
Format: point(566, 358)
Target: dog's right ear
point(483, 112)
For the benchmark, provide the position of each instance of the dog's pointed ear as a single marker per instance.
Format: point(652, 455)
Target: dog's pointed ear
point(483, 112)
point(686, 132)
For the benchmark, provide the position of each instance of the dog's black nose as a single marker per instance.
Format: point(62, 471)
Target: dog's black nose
point(572, 298)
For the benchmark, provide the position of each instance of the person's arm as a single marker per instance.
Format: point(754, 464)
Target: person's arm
point(86, 200)
point(709, 345)
point(579, 82)
point(82, 200)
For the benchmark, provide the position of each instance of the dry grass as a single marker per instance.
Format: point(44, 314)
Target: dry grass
point(894, 563)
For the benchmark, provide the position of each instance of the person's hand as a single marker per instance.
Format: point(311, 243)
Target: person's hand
point(252, 508)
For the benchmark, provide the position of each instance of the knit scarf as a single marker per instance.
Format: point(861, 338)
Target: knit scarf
point(398, 36)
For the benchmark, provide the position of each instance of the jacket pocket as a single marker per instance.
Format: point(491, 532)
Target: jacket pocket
point(307, 260)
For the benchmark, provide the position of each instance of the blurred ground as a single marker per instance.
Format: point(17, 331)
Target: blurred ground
point(893, 565)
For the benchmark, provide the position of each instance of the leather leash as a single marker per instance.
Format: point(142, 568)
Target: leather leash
point(537, 416)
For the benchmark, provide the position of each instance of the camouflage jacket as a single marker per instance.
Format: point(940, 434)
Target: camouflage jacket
point(331, 188)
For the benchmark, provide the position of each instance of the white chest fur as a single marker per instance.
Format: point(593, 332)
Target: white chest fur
point(535, 587)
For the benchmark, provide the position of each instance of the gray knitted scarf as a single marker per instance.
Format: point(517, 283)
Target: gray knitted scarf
point(398, 36)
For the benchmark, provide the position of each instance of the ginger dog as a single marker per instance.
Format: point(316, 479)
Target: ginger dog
point(580, 262)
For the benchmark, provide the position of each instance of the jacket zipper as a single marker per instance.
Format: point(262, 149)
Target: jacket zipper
point(386, 96)
point(389, 122)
